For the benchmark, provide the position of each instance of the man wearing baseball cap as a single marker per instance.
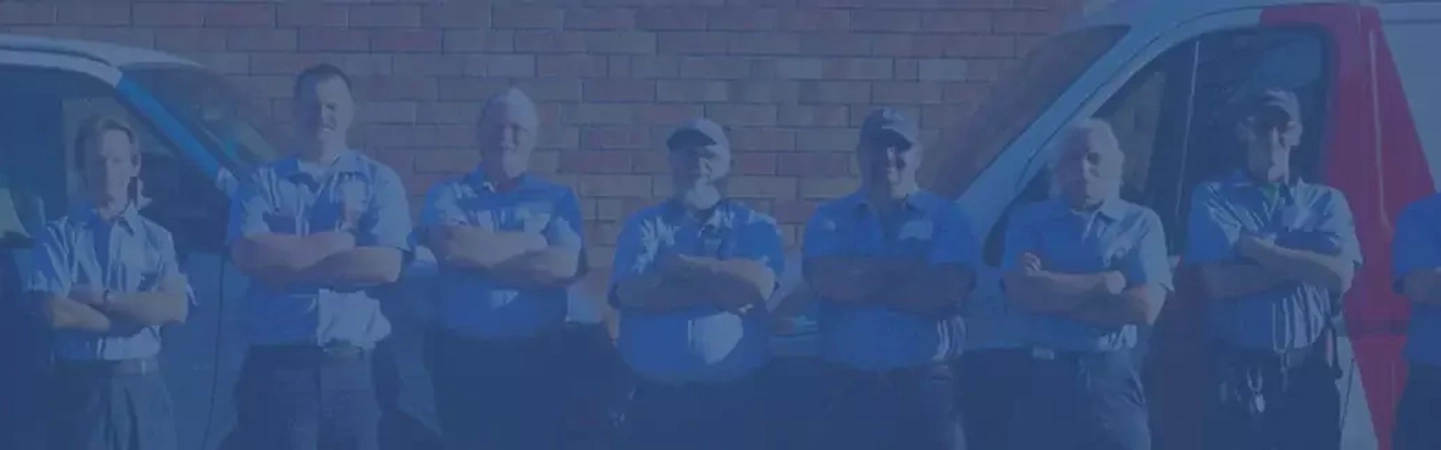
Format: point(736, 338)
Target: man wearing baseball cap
point(691, 279)
point(891, 264)
point(1275, 254)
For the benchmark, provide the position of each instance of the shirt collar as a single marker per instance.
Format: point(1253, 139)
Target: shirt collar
point(721, 216)
point(477, 179)
point(129, 218)
point(347, 162)
point(1112, 208)
point(1241, 180)
point(862, 204)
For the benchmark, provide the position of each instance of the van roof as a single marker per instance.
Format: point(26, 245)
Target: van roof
point(111, 54)
point(1157, 12)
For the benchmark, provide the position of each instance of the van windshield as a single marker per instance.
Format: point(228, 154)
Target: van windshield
point(1017, 100)
point(208, 104)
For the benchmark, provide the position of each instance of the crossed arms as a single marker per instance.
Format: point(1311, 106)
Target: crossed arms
point(909, 285)
point(521, 259)
point(679, 281)
point(84, 308)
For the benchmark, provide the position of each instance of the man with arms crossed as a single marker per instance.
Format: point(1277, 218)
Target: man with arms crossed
point(1416, 256)
point(508, 244)
point(692, 276)
point(1274, 254)
point(314, 231)
point(892, 264)
point(1088, 268)
point(107, 279)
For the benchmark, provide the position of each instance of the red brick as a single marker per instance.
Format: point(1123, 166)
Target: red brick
point(755, 164)
point(402, 87)
point(554, 137)
point(162, 14)
point(927, 92)
point(691, 43)
point(743, 115)
point(965, 93)
point(95, 14)
point(468, 88)
point(943, 116)
point(762, 139)
point(908, 70)
point(982, 46)
point(760, 43)
point(886, 21)
point(654, 162)
point(456, 15)
point(912, 45)
point(620, 42)
point(428, 64)
point(598, 114)
point(402, 161)
point(620, 91)
point(827, 188)
point(479, 41)
point(547, 161)
point(383, 112)
point(406, 41)
point(743, 19)
point(313, 15)
point(859, 69)
point(835, 44)
point(835, 92)
point(536, 41)
point(222, 63)
point(600, 19)
point(614, 186)
point(814, 115)
point(859, 113)
point(190, 39)
point(382, 16)
point(764, 91)
point(264, 86)
point(448, 113)
point(667, 114)
point(653, 66)
point(609, 138)
point(446, 161)
point(715, 67)
point(826, 139)
point(671, 19)
point(763, 187)
point(523, 17)
point(583, 66)
point(261, 39)
point(420, 136)
point(984, 70)
point(816, 20)
point(333, 39)
point(957, 21)
point(239, 15)
point(28, 14)
point(692, 91)
point(945, 69)
point(1026, 22)
point(609, 209)
point(593, 161)
point(828, 164)
point(500, 65)
point(794, 211)
point(137, 37)
point(551, 90)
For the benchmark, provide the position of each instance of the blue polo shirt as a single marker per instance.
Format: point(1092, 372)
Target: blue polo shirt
point(472, 304)
point(1299, 215)
point(291, 197)
point(129, 254)
point(702, 342)
point(1417, 246)
point(930, 228)
point(1117, 236)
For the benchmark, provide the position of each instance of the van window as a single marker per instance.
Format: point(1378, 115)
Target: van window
point(213, 111)
point(1016, 101)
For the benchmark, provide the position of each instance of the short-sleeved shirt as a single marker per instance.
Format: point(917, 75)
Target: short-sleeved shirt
point(1299, 215)
point(1417, 247)
point(127, 255)
point(700, 342)
point(474, 305)
point(1118, 236)
point(928, 228)
point(292, 197)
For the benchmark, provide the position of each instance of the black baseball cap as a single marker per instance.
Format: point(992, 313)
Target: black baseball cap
point(698, 129)
point(1270, 104)
point(884, 123)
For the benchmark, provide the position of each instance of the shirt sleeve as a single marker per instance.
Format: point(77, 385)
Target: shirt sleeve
point(564, 228)
point(1147, 262)
point(1019, 238)
point(761, 242)
point(387, 222)
point(170, 266)
point(821, 238)
point(1211, 232)
point(635, 252)
point(51, 263)
point(1415, 247)
point(248, 209)
point(955, 243)
point(1336, 220)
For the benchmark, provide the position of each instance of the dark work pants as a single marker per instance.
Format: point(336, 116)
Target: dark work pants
point(1267, 402)
point(721, 416)
point(989, 382)
point(301, 398)
point(912, 408)
point(97, 408)
point(1417, 427)
point(498, 395)
point(1081, 401)
point(597, 384)
point(794, 394)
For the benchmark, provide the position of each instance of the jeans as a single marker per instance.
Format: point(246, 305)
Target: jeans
point(1266, 402)
point(498, 395)
point(97, 410)
point(299, 398)
point(1081, 401)
point(990, 381)
point(719, 416)
point(911, 408)
point(1416, 425)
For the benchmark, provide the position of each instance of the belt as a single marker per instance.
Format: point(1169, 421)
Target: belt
point(1287, 359)
point(897, 374)
point(336, 351)
point(119, 367)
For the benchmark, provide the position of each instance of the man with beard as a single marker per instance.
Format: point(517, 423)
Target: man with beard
point(891, 264)
point(692, 276)
point(1088, 268)
point(508, 244)
point(1274, 254)
point(315, 232)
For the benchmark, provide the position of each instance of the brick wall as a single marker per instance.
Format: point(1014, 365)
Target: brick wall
point(791, 77)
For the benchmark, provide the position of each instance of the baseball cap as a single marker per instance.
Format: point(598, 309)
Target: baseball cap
point(884, 121)
point(1276, 104)
point(702, 128)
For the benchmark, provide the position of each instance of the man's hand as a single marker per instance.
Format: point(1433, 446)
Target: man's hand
point(88, 294)
point(1249, 245)
point(1029, 262)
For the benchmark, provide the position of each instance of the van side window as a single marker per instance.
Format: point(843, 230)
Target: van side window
point(34, 148)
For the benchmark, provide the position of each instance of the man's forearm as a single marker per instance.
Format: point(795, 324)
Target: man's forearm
point(552, 267)
point(848, 280)
point(1231, 281)
point(729, 283)
point(1329, 272)
point(933, 288)
point(1132, 307)
point(653, 292)
point(472, 248)
point(66, 314)
point(361, 267)
point(1050, 292)
point(163, 307)
point(281, 256)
